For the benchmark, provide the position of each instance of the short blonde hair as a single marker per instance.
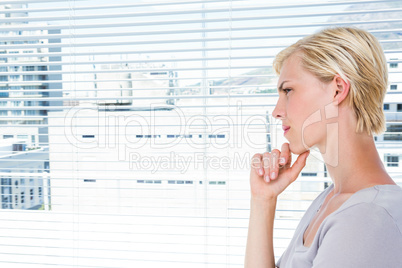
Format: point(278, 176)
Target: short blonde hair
point(357, 57)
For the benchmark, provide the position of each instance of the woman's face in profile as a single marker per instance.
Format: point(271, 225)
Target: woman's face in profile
point(301, 106)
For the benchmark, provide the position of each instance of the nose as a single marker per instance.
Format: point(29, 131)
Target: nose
point(279, 111)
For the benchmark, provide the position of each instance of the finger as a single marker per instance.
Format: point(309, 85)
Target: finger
point(299, 165)
point(285, 158)
point(256, 164)
point(274, 167)
point(266, 160)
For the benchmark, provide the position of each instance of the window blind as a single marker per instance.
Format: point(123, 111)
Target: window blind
point(128, 126)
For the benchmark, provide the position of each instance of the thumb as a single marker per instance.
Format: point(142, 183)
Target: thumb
point(299, 164)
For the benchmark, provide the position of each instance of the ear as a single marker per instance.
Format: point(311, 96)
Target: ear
point(341, 88)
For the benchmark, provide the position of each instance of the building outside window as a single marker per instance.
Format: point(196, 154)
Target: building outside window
point(131, 112)
point(392, 160)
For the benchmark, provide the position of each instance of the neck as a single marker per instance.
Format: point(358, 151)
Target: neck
point(351, 158)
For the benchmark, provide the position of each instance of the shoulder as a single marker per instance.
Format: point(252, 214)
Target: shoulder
point(379, 204)
point(364, 217)
point(366, 227)
point(371, 208)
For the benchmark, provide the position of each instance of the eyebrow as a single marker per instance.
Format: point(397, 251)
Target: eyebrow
point(280, 88)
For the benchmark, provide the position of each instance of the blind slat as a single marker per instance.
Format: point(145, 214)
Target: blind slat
point(94, 7)
point(224, 10)
point(75, 188)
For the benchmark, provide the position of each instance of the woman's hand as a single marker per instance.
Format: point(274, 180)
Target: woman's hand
point(271, 173)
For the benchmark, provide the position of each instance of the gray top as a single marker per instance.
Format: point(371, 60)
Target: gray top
point(366, 231)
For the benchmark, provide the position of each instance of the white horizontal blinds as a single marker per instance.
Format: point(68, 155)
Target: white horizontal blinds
point(128, 126)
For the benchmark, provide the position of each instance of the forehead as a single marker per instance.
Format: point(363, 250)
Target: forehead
point(291, 69)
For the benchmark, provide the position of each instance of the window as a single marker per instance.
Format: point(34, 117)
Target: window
point(17, 103)
point(394, 128)
point(394, 87)
point(28, 77)
point(392, 161)
point(399, 107)
point(309, 174)
point(88, 136)
point(393, 133)
point(29, 112)
point(3, 92)
point(29, 68)
point(173, 98)
point(386, 106)
point(18, 147)
point(14, 77)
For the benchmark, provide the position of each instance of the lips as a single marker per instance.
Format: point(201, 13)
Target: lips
point(285, 129)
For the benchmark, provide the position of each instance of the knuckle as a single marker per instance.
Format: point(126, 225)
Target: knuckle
point(276, 152)
point(256, 160)
point(256, 155)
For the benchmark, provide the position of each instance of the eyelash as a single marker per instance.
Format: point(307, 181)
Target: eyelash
point(287, 90)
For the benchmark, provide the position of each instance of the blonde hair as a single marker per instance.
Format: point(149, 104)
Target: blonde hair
point(357, 57)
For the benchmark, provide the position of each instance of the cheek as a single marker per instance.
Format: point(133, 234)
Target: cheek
point(305, 138)
point(307, 123)
point(313, 134)
point(306, 112)
point(298, 113)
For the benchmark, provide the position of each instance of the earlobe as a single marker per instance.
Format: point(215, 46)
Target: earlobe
point(342, 88)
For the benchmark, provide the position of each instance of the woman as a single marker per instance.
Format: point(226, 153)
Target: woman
point(331, 88)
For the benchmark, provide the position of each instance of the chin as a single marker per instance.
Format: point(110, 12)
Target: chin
point(297, 149)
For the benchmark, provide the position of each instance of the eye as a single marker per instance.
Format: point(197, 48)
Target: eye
point(287, 90)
